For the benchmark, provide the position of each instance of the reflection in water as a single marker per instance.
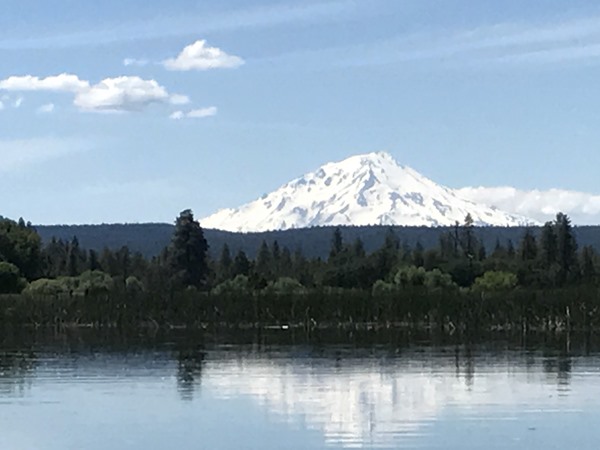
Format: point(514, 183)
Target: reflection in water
point(381, 402)
point(16, 371)
point(189, 371)
point(347, 396)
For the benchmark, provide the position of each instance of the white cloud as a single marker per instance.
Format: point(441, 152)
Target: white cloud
point(582, 207)
point(125, 93)
point(195, 113)
point(19, 153)
point(177, 99)
point(203, 112)
point(18, 102)
point(135, 62)
point(121, 94)
point(46, 109)
point(61, 83)
point(1, 105)
point(198, 56)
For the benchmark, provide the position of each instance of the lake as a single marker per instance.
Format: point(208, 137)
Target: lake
point(283, 390)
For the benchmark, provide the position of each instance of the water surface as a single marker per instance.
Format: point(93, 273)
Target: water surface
point(85, 391)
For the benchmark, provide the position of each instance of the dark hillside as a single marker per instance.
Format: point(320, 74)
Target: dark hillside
point(151, 238)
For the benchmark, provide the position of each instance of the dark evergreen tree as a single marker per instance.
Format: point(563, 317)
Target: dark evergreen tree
point(224, 269)
point(528, 249)
point(588, 264)
point(188, 252)
point(510, 250)
point(337, 243)
point(548, 245)
point(264, 262)
point(386, 257)
point(358, 249)
point(286, 264)
point(418, 255)
point(75, 258)
point(92, 260)
point(566, 247)
point(109, 263)
point(241, 265)
point(468, 241)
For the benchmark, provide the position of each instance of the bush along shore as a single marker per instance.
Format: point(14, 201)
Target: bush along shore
point(538, 283)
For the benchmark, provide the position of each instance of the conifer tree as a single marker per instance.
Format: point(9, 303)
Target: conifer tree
point(241, 264)
point(566, 247)
point(264, 261)
point(225, 264)
point(188, 252)
point(588, 264)
point(337, 243)
point(528, 248)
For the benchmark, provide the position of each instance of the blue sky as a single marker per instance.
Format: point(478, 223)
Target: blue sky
point(209, 105)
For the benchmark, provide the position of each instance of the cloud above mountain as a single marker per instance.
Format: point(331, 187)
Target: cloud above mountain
point(542, 205)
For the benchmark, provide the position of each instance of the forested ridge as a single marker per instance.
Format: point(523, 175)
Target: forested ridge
point(541, 278)
point(151, 238)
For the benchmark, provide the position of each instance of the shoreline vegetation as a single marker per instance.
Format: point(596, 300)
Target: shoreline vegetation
point(541, 283)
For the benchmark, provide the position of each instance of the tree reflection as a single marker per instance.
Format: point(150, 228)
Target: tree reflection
point(15, 371)
point(559, 368)
point(189, 370)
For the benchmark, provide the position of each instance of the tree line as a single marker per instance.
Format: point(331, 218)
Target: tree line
point(458, 266)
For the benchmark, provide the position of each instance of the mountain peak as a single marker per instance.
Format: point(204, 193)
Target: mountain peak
point(365, 189)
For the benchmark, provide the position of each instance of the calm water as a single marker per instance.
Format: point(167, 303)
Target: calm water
point(277, 392)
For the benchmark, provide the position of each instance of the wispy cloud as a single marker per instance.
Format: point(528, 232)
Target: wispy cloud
point(46, 109)
point(182, 25)
point(562, 41)
point(584, 208)
point(7, 101)
point(135, 62)
point(17, 154)
point(195, 113)
point(126, 93)
point(569, 41)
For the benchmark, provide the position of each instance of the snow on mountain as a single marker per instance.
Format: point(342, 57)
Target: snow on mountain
point(369, 189)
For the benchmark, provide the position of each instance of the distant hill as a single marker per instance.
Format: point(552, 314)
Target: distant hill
point(151, 238)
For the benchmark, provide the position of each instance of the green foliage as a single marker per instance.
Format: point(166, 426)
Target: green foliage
point(496, 281)
point(92, 282)
point(435, 279)
point(286, 286)
point(20, 245)
point(133, 285)
point(410, 276)
point(10, 279)
point(240, 285)
point(383, 288)
point(89, 283)
point(45, 287)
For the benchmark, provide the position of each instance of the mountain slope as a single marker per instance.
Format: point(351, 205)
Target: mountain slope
point(370, 189)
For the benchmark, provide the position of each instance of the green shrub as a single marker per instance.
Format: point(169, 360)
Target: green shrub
point(11, 281)
point(496, 281)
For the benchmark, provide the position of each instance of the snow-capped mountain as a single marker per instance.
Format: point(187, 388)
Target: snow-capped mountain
point(369, 189)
